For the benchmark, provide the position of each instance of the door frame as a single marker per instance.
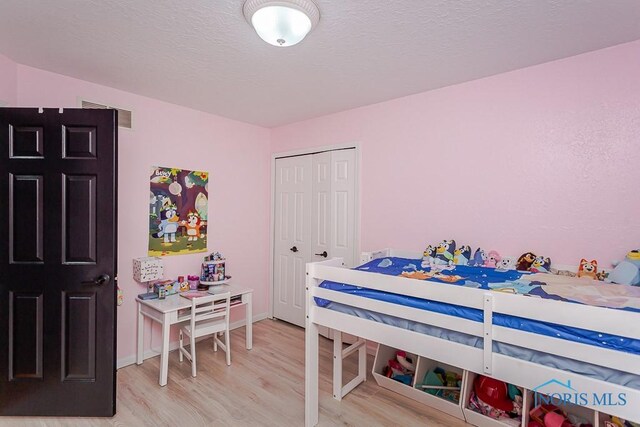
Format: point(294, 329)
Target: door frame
point(272, 221)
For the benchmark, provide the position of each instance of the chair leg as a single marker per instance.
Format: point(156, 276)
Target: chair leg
point(181, 347)
point(227, 344)
point(215, 342)
point(193, 355)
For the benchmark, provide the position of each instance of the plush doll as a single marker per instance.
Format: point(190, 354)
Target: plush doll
point(428, 256)
point(525, 261)
point(444, 252)
point(478, 258)
point(493, 258)
point(627, 272)
point(540, 265)
point(588, 269)
point(462, 255)
point(506, 264)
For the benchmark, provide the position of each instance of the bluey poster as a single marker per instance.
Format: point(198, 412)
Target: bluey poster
point(177, 211)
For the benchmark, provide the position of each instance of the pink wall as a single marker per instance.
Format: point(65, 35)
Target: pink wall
point(235, 154)
point(545, 158)
point(8, 81)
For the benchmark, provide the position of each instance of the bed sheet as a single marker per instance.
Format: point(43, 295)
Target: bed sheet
point(483, 278)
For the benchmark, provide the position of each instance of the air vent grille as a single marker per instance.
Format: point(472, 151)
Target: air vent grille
point(124, 116)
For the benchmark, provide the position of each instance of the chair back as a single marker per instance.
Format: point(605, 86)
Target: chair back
point(210, 308)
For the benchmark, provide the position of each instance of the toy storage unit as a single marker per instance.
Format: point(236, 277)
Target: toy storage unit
point(461, 409)
point(385, 353)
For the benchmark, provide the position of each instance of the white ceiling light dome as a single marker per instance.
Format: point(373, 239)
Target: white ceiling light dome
point(282, 22)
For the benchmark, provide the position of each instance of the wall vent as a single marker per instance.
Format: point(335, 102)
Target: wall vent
point(124, 116)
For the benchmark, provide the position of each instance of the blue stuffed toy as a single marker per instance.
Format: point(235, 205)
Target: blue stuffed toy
point(478, 258)
point(444, 252)
point(627, 272)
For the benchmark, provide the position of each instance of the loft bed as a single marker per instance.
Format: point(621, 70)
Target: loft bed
point(490, 343)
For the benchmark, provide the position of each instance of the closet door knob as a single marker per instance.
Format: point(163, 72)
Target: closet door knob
point(324, 254)
point(293, 249)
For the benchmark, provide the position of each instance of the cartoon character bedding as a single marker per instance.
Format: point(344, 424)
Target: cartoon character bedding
point(501, 280)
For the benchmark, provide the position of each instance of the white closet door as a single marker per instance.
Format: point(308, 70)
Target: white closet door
point(343, 206)
point(321, 206)
point(292, 237)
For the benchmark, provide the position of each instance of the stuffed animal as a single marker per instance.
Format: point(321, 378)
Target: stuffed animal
point(493, 258)
point(627, 272)
point(478, 258)
point(506, 264)
point(540, 265)
point(462, 255)
point(444, 252)
point(525, 261)
point(588, 269)
point(428, 256)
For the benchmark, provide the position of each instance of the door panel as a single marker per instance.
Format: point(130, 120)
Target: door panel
point(343, 209)
point(25, 219)
point(292, 234)
point(25, 336)
point(58, 172)
point(79, 214)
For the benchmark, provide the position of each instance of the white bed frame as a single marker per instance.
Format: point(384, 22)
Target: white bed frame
point(478, 360)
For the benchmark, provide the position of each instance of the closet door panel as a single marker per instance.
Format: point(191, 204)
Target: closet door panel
point(343, 209)
point(292, 237)
point(321, 202)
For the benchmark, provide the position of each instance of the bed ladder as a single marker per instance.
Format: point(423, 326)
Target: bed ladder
point(339, 354)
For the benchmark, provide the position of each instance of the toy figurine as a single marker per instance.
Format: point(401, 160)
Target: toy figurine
point(525, 261)
point(541, 265)
point(478, 258)
point(588, 269)
point(462, 255)
point(444, 252)
point(493, 258)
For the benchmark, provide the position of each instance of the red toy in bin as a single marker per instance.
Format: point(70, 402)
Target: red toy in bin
point(493, 392)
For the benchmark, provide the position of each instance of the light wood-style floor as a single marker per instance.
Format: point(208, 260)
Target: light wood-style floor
point(262, 387)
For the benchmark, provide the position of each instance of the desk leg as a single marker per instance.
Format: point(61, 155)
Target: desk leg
point(249, 322)
point(140, 347)
point(164, 355)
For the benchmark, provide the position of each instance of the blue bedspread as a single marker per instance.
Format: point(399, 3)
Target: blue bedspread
point(484, 278)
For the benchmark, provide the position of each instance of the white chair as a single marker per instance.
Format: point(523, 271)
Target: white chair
point(209, 315)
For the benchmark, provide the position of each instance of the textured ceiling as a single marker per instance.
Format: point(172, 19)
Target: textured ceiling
point(203, 54)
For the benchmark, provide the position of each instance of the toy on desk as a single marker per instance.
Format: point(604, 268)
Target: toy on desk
point(462, 255)
point(540, 265)
point(493, 258)
point(588, 269)
point(148, 269)
point(193, 281)
point(627, 272)
point(213, 270)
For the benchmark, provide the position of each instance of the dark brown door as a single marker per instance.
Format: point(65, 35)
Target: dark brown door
point(58, 261)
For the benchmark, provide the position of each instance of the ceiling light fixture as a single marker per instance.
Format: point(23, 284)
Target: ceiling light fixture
point(282, 23)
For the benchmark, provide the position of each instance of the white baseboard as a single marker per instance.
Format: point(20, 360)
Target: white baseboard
point(131, 359)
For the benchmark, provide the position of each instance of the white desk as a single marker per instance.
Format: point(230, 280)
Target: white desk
point(176, 309)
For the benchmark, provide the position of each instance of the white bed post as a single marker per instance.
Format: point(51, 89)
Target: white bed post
point(337, 364)
point(311, 356)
